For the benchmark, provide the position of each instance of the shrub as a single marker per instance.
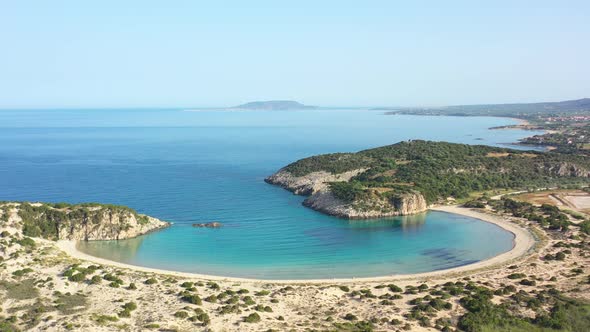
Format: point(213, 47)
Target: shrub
point(203, 317)
point(95, 280)
point(248, 300)
point(130, 306)
point(151, 281)
point(124, 313)
point(230, 309)
point(395, 321)
point(186, 284)
point(252, 318)
point(211, 298)
point(350, 317)
point(26, 242)
point(344, 289)
point(191, 298)
point(20, 273)
point(527, 282)
point(78, 277)
point(181, 314)
point(104, 319)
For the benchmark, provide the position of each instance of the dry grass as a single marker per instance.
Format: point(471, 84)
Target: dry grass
point(576, 200)
point(497, 154)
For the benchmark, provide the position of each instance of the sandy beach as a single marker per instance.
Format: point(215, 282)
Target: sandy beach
point(523, 243)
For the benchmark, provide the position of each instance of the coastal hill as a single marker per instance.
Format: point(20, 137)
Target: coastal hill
point(407, 177)
point(274, 105)
point(90, 221)
point(512, 110)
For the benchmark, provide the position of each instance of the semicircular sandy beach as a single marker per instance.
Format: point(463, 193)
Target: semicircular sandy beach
point(524, 241)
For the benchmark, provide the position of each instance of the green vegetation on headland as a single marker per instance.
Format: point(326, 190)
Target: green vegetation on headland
point(79, 221)
point(438, 170)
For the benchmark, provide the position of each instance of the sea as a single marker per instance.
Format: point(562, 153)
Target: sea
point(190, 166)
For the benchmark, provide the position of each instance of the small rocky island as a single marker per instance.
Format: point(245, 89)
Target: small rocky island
point(88, 221)
point(274, 105)
point(213, 224)
point(407, 177)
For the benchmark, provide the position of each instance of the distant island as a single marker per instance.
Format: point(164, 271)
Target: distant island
point(274, 105)
point(407, 177)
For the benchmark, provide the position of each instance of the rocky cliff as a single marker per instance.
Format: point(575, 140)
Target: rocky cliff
point(78, 222)
point(373, 207)
point(567, 169)
point(309, 183)
point(316, 186)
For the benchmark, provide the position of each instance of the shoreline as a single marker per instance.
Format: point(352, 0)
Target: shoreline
point(523, 243)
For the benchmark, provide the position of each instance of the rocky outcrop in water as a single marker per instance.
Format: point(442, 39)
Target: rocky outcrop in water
point(78, 222)
point(214, 224)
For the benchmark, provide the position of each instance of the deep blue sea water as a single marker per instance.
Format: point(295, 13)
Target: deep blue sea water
point(202, 166)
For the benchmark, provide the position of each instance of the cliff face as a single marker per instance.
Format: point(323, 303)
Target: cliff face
point(375, 207)
point(315, 185)
point(77, 222)
point(310, 183)
point(568, 169)
point(111, 227)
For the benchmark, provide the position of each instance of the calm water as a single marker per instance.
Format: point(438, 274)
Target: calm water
point(188, 167)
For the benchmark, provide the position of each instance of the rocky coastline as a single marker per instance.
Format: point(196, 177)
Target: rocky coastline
point(315, 185)
point(90, 222)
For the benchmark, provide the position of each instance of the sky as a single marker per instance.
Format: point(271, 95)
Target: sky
point(143, 53)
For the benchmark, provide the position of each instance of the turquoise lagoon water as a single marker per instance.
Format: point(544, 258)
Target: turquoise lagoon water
point(188, 167)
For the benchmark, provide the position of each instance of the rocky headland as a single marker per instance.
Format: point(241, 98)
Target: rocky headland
point(316, 185)
point(82, 222)
point(407, 177)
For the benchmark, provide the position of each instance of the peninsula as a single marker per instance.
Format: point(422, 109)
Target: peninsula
point(405, 178)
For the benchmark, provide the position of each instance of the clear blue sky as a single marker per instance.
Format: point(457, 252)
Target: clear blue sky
point(330, 53)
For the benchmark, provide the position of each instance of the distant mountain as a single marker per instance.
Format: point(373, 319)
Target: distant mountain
point(274, 105)
point(573, 106)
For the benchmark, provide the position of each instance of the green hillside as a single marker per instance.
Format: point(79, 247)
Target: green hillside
point(439, 170)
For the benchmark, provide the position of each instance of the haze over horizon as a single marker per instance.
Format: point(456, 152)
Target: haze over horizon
point(191, 54)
